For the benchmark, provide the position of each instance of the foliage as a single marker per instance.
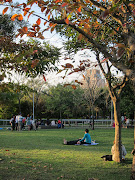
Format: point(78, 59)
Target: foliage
point(8, 100)
point(30, 58)
point(65, 102)
point(55, 100)
point(6, 26)
point(128, 102)
point(108, 26)
point(9, 28)
point(103, 102)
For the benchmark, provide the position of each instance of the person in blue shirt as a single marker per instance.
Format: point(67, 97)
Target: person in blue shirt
point(85, 140)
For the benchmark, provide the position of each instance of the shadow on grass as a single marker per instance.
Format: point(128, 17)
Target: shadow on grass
point(59, 168)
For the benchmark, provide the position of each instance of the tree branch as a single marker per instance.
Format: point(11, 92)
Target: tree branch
point(89, 10)
point(103, 8)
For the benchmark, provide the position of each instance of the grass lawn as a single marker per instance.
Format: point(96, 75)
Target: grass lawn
point(41, 155)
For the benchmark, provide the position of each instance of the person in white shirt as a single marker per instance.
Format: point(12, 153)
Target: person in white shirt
point(19, 119)
point(127, 122)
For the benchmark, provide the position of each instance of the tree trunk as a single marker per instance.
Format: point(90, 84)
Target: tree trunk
point(118, 155)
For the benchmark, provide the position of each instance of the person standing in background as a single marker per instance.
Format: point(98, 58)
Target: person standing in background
point(12, 122)
point(19, 118)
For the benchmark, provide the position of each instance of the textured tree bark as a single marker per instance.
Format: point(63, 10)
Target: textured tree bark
point(118, 154)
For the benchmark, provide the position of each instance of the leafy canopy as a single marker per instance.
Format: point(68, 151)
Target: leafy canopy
point(108, 26)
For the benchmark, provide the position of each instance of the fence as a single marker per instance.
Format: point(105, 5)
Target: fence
point(70, 122)
point(4, 122)
point(87, 122)
point(73, 122)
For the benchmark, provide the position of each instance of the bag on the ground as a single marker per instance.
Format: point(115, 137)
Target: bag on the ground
point(107, 157)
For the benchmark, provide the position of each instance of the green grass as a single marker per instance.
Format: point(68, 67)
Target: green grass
point(41, 155)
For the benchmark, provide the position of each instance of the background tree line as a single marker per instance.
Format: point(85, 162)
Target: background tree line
point(58, 101)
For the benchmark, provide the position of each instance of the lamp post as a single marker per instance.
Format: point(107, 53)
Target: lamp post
point(33, 106)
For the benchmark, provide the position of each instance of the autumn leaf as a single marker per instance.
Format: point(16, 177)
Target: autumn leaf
point(58, 1)
point(95, 12)
point(118, 28)
point(48, 17)
point(26, 10)
point(50, 24)
point(30, 14)
point(20, 17)
point(54, 25)
point(76, 69)
point(40, 36)
point(45, 23)
point(44, 78)
point(14, 16)
point(79, 9)
point(68, 65)
point(4, 10)
point(42, 9)
point(82, 68)
point(73, 86)
point(25, 29)
point(67, 21)
point(47, 11)
point(38, 21)
point(31, 34)
point(64, 4)
point(52, 29)
point(83, 77)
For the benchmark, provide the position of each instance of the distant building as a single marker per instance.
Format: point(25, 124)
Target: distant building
point(93, 78)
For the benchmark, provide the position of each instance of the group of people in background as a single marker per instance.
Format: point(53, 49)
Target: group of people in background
point(125, 122)
point(18, 123)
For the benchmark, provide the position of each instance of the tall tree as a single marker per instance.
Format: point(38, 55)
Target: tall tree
point(92, 90)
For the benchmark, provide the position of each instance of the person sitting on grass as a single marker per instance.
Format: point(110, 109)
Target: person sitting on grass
point(85, 140)
point(124, 152)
